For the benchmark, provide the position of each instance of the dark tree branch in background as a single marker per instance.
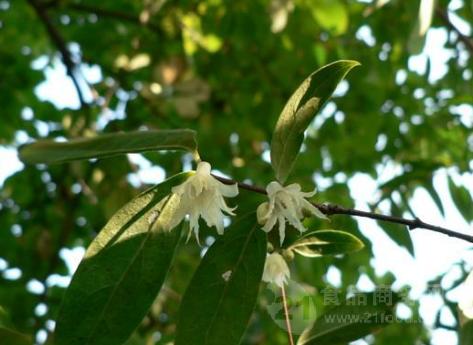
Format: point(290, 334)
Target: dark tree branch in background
point(61, 45)
point(443, 15)
point(329, 209)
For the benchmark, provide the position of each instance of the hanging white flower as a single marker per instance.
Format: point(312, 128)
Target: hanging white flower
point(465, 302)
point(286, 204)
point(202, 195)
point(276, 270)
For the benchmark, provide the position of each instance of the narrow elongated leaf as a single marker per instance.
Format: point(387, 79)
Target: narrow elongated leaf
point(357, 317)
point(222, 293)
point(326, 242)
point(462, 199)
point(429, 187)
point(11, 337)
point(299, 112)
point(106, 145)
point(122, 271)
point(400, 235)
point(466, 334)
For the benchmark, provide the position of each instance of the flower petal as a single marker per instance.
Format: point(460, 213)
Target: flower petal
point(314, 210)
point(262, 213)
point(282, 229)
point(228, 190)
point(271, 222)
point(273, 187)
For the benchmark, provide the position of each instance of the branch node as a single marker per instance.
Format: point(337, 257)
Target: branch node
point(416, 223)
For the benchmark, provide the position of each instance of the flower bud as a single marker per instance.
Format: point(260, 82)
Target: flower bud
point(276, 270)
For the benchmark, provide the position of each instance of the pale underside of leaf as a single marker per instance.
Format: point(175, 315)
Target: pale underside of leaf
point(326, 242)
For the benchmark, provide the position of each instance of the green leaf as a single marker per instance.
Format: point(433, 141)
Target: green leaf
point(357, 317)
point(462, 199)
point(466, 334)
point(399, 234)
point(332, 15)
point(222, 293)
point(429, 187)
point(107, 145)
point(326, 242)
point(11, 337)
point(122, 271)
point(416, 42)
point(4, 317)
point(299, 112)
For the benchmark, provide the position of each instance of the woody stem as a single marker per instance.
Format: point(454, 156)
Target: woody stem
point(330, 209)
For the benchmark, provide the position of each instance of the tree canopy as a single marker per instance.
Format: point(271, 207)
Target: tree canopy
point(308, 92)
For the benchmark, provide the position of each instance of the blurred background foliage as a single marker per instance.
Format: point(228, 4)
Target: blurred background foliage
point(225, 69)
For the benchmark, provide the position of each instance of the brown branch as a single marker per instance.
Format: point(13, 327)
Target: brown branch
point(61, 45)
point(330, 209)
point(443, 15)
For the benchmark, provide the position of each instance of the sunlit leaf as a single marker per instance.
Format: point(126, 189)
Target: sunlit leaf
point(299, 112)
point(222, 294)
point(332, 15)
point(106, 145)
point(357, 317)
point(122, 271)
point(326, 242)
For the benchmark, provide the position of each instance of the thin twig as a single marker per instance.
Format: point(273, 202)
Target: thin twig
point(287, 316)
point(241, 185)
point(61, 45)
point(443, 15)
point(331, 209)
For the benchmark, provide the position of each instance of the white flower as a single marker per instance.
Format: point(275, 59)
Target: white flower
point(285, 203)
point(201, 195)
point(465, 302)
point(276, 270)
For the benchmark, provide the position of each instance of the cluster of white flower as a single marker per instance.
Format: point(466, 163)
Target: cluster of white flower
point(285, 204)
point(202, 195)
